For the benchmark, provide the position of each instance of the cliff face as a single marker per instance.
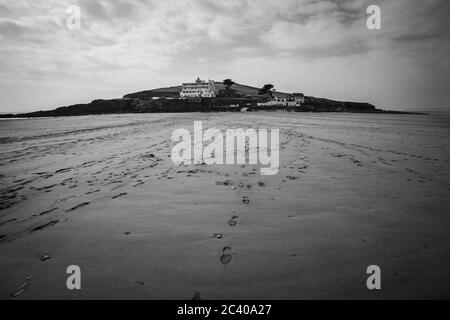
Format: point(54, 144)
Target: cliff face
point(95, 107)
point(325, 105)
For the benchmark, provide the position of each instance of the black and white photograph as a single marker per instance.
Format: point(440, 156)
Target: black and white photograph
point(233, 151)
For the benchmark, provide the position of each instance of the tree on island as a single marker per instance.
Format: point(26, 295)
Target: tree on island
point(267, 89)
point(228, 83)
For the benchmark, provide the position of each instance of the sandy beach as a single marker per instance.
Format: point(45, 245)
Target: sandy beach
point(102, 193)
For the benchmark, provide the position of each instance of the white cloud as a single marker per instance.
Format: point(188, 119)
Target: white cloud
point(131, 45)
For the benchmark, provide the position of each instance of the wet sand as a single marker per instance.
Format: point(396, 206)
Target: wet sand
point(102, 193)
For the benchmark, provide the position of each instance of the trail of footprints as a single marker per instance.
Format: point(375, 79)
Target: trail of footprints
point(107, 175)
point(111, 175)
point(242, 186)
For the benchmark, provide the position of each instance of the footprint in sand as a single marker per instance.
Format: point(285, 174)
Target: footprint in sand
point(233, 221)
point(47, 225)
point(6, 222)
point(48, 211)
point(92, 192)
point(78, 206)
point(226, 256)
point(120, 195)
point(45, 257)
point(22, 288)
point(196, 297)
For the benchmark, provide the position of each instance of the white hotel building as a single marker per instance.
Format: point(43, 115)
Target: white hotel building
point(199, 89)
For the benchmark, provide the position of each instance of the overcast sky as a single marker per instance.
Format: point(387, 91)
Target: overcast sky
point(321, 48)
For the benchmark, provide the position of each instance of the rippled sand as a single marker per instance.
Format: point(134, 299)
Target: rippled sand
point(102, 193)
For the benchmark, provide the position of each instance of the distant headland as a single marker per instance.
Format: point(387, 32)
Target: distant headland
point(208, 96)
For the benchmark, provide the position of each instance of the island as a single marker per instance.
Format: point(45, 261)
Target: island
point(208, 96)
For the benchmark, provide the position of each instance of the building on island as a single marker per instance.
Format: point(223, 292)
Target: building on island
point(283, 100)
point(299, 98)
point(199, 89)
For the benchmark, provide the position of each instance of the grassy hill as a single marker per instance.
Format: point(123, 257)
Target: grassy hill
point(174, 92)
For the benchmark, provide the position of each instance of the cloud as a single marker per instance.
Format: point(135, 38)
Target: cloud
point(145, 43)
point(319, 36)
